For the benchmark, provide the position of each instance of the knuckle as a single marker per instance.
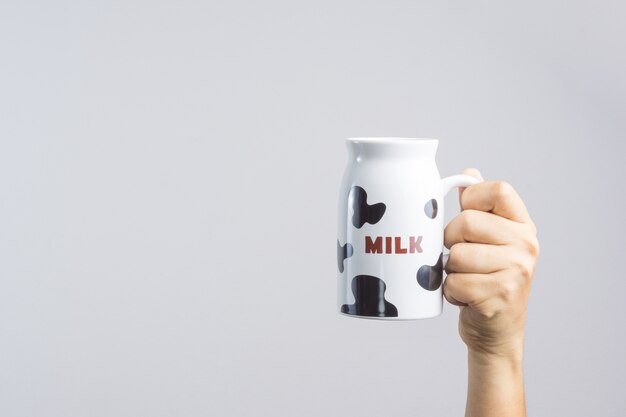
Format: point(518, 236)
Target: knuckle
point(457, 254)
point(448, 284)
point(469, 219)
point(525, 268)
point(532, 246)
point(448, 281)
point(508, 289)
point(503, 190)
point(487, 313)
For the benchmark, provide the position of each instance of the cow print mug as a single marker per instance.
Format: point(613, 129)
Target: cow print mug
point(390, 241)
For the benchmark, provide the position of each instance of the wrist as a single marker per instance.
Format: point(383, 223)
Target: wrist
point(511, 359)
point(511, 350)
point(485, 347)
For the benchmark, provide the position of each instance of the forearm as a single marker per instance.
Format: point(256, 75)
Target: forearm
point(495, 385)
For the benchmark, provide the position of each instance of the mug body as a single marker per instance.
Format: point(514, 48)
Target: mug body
point(390, 230)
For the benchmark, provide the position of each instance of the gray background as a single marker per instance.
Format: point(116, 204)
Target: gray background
point(168, 182)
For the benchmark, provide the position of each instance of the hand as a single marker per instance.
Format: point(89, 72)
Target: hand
point(493, 252)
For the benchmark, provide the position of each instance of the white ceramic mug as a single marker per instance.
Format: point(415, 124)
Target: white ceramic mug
point(390, 238)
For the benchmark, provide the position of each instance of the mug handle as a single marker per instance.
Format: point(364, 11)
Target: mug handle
point(453, 181)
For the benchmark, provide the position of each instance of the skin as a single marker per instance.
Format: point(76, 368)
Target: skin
point(493, 252)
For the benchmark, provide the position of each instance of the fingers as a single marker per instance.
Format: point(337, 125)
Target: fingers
point(468, 289)
point(473, 172)
point(486, 294)
point(480, 227)
point(478, 258)
point(497, 197)
point(453, 301)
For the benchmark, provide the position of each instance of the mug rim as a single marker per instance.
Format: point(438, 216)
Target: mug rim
point(391, 139)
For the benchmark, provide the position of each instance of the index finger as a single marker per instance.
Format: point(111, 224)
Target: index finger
point(497, 197)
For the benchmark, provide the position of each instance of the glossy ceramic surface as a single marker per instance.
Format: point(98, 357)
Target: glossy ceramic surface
point(390, 234)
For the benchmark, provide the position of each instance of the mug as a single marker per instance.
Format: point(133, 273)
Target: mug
point(390, 240)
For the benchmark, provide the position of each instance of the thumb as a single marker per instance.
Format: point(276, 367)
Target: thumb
point(471, 172)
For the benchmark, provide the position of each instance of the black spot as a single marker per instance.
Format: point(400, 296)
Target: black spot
point(343, 252)
point(363, 212)
point(431, 208)
point(429, 276)
point(369, 296)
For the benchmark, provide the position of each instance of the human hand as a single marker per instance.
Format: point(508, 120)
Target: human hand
point(493, 252)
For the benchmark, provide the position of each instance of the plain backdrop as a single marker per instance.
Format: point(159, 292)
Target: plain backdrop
point(168, 181)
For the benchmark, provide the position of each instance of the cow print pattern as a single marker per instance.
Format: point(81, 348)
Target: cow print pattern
point(429, 276)
point(363, 212)
point(343, 253)
point(369, 296)
point(431, 208)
